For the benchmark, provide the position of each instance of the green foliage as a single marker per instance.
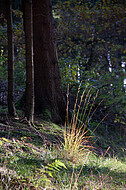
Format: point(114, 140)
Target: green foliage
point(19, 48)
point(53, 168)
point(91, 38)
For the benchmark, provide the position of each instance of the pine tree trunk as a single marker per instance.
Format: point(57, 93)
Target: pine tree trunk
point(28, 26)
point(11, 106)
point(48, 89)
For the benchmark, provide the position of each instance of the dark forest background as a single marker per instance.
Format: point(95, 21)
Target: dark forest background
point(91, 45)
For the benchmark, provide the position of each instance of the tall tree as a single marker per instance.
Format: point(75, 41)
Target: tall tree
point(48, 89)
point(11, 106)
point(28, 26)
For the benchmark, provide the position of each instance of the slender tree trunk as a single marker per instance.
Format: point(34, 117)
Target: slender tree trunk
point(48, 88)
point(11, 106)
point(28, 25)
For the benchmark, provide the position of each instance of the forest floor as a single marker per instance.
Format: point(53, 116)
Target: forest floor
point(31, 158)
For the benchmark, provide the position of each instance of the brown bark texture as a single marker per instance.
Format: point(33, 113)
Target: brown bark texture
point(48, 88)
point(11, 106)
point(28, 26)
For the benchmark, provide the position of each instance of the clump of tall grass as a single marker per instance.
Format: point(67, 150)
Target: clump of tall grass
point(76, 143)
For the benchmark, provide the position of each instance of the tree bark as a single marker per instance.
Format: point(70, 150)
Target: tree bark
point(11, 106)
point(48, 89)
point(28, 26)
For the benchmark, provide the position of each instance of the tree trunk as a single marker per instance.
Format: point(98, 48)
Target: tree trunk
point(11, 106)
point(28, 26)
point(48, 89)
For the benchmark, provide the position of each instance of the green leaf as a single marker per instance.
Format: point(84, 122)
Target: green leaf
point(61, 164)
point(50, 173)
point(5, 139)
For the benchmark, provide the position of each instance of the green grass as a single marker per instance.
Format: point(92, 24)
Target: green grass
point(28, 164)
point(46, 156)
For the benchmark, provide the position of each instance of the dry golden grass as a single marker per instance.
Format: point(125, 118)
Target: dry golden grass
point(76, 143)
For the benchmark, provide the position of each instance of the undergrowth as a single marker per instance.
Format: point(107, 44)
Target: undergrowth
point(25, 166)
point(66, 158)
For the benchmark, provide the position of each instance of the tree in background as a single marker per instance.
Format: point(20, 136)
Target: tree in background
point(28, 27)
point(92, 47)
point(48, 89)
point(11, 106)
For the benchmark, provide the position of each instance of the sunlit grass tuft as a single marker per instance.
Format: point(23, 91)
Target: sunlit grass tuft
point(76, 143)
